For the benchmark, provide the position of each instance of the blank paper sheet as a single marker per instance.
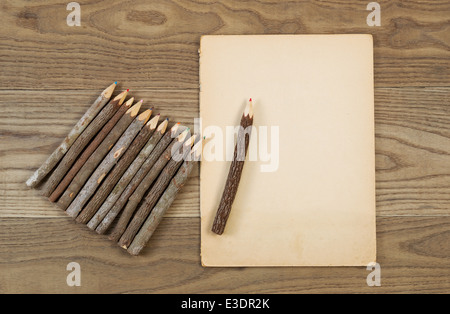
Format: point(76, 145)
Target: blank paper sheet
point(307, 197)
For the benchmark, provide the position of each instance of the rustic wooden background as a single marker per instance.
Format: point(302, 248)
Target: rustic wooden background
point(50, 73)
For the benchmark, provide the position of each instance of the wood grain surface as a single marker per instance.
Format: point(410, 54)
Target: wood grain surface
point(413, 252)
point(154, 44)
point(50, 73)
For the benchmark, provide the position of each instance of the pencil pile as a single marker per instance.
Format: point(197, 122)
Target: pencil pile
point(119, 169)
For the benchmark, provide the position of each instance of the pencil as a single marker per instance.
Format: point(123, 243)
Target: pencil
point(235, 172)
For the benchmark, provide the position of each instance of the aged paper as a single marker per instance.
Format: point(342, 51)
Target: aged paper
point(311, 201)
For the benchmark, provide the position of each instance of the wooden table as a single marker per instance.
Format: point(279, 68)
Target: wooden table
point(50, 73)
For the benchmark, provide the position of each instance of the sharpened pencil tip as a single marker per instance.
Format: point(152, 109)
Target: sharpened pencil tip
point(115, 82)
point(163, 126)
point(174, 129)
point(133, 111)
point(129, 102)
point(107, 93)
point(121, 97)
point(128, 89)
point(153, 122)
point(183, 135)
point(249, 109)
point(145, 115)
point(250, 99)
point(190, 141)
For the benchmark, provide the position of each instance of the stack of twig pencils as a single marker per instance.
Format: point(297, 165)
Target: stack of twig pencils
point(119, 169)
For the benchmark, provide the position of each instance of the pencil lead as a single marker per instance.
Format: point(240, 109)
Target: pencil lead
point(115, 82)
point(151, 109)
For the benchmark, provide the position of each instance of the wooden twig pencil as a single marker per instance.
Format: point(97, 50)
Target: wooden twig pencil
point(94, 160)
point(144, 185)
point(157, 213)
point(81, 160)
point(113, 177)
point(105, 166)
point(234, 175)
point(69, 158)
point(59, 152)
point(128, 175)
point(155, 193)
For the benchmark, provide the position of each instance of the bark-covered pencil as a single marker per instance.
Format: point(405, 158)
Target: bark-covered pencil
point(59, 152)
point(234, 174)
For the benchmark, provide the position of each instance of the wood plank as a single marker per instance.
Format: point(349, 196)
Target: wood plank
point(413, 253)
point(412, 146)
point(157, 41)
point(412, 140)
